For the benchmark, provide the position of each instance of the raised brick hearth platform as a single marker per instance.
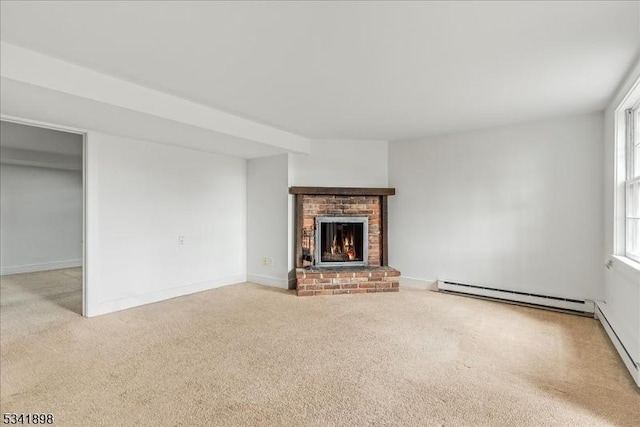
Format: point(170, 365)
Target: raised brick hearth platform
point(352, 280)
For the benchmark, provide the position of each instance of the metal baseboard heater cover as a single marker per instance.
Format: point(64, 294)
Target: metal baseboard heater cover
point(582, 306)
point(625, 355)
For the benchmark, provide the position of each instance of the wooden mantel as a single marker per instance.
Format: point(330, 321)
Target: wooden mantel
point(343, 191)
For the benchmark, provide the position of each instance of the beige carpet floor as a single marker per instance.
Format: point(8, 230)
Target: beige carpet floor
point(253, 355)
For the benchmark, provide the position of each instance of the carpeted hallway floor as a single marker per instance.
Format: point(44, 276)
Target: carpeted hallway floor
point(253, 355)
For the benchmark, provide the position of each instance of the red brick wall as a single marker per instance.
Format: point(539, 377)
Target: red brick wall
point(369, 206)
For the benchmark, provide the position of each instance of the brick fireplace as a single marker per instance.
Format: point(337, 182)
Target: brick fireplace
point(341, 241)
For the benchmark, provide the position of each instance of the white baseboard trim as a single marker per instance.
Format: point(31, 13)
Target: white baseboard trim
point(33, 268)
point(425, 285)
point(161, 295)
point(601, 313)
point(268, 281)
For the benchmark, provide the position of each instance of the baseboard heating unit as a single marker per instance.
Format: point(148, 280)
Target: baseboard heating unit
point(584, 307)
point(625, 355)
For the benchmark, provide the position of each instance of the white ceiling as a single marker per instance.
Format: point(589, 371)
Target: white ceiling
point(350, 70)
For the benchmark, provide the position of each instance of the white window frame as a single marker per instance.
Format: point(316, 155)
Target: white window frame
point(632, 182)
point(627, 128)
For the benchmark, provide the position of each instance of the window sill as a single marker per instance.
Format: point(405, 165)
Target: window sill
point(626, 266)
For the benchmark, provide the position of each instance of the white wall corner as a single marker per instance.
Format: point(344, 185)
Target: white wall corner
point(275, 282)
point(329, 164)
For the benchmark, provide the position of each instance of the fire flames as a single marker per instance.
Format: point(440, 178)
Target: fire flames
point(346, 246)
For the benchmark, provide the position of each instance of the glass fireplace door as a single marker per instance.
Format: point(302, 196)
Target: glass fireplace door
point(341, 241)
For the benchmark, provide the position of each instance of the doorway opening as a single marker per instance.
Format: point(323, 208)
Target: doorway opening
point(42, 221)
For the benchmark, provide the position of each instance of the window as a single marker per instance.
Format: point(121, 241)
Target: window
point(632, 183)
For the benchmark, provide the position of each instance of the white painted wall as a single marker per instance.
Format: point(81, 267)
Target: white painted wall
point(40, 219)
point(621, 281)
point(516, 208)
point(141, 197)
point(267, 220)
point(342, 163)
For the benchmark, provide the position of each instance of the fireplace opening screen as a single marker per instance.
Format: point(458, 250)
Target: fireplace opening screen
point(341, 241)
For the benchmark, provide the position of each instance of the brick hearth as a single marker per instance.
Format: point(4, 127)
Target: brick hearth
point(354, 280)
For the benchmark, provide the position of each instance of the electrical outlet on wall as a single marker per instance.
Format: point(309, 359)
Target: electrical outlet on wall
point(267, 261)
point(181, 240)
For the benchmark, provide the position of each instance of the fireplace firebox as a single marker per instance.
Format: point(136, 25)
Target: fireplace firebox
point(341, 241)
